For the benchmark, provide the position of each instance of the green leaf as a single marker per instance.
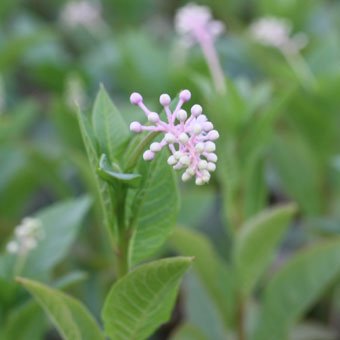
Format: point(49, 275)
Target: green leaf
point(70, 317)
point(61, 223)
point(188, 332)
point(106, 172)
point(298, 171)
point(143, 299)
point(295, 288)
point(153, 208)
point(109, 127)
point(256, 242)
point(31, 320)
point(103, 190)
point(214, 274)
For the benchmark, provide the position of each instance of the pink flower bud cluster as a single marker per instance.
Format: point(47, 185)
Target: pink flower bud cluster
point(195, 23)
point(190, 138)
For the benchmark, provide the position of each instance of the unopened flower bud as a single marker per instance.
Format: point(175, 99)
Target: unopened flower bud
point(170, 138)
point(148, 155)
point(178, 154)
point(211, 167)
point(199, 147)
point(153, 117)
point(185, 95)
point(213, 135)
point(199, 181)
point(185, 177)
point(207, 126)
point(211, 157)
point(202, 164)
point(196, 129)
point(172, 160)
point(183, 138)
point(155, 147)
point(196, 110)
point(135, 127)
point(165, 99)
point(181, 115)
point(136, 98)
point(185, 160)
point(210, 146)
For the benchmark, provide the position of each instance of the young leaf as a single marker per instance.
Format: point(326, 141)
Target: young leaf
point(107, 173)
point(103, 189)
point(143, 299)
point(153, 209)
point(296, 287)
point(109, 127)
point(70, 317)
point(214, 274)
point(256, 242)
point(61, 223)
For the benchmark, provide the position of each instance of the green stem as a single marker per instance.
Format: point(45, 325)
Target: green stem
point(301, 69)
point(241, 334)
point(19, 264)
point(124, 234)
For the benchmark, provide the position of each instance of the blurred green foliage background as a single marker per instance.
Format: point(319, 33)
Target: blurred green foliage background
point(48, 63)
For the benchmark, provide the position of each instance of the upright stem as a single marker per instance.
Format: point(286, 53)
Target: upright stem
point(301, 69)
point(214, 65)
point(241, 334)
point(123, 234)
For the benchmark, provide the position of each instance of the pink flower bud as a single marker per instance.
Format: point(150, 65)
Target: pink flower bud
point(196, 110)
point(135, 127)
point(148, 155)
point(165, 99)
point(185, 95)
point(136, 98)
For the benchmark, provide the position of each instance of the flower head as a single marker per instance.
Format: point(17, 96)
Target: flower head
point(195, 24)
point(81, 12)
point(276, 32)
point(27, 235)
point(190, 138)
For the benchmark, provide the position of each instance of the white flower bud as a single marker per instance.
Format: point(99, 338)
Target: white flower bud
point(181, 115)
point(178, 154)
point(211, 167)
point(190, 171)
point(202, 164)
point(135, 127)
point(213, 135)
point(211, 157)
point(210, 146)
point(155, 147)
point(199, 181)
point(206, 177)
point(172, 160)
point(185, 177)
point(165, 99)
point(148, 155)
point(153, 117)
point(201, 119)
point(196, 129)
point(183, 138)
point(169, 138)
point(196, 110)
point(199, 147)
point(207, 126)
point(185, 160)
